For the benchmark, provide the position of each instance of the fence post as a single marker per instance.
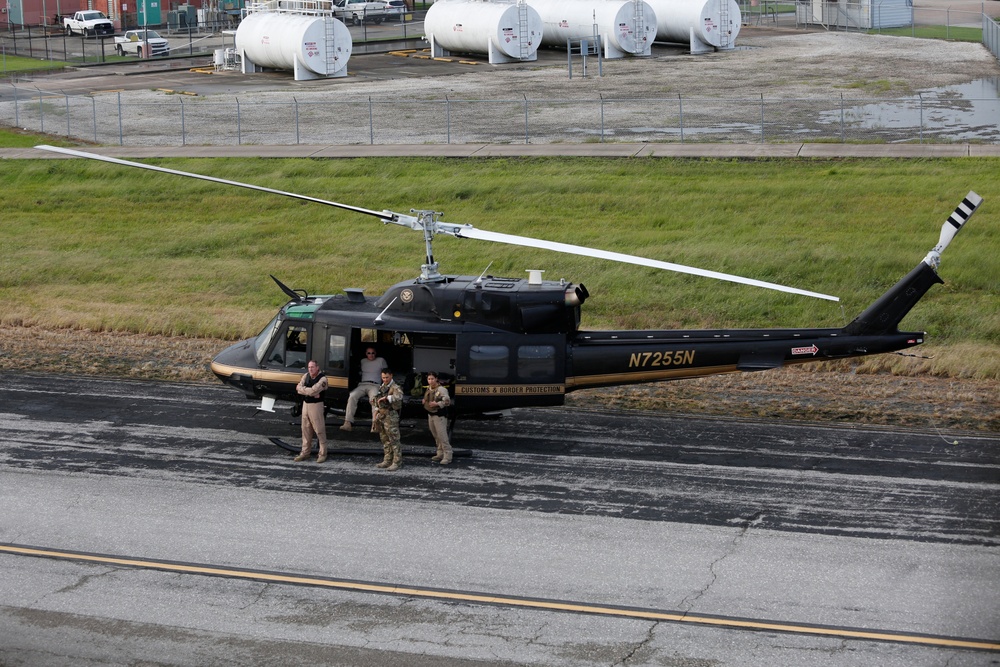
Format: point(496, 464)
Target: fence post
point(296, 101)
point(447, 118)
point(921, 98)
point(180, 99)
point(371, 122)
point(41, 113)
point(93, 105)
point(843, 138)
point(17, 114)
point(762, 118)
point(239, 126)
point(67, 115)
point(121, 133)
point(602, 117)
point(680, 111)
point(525, 117)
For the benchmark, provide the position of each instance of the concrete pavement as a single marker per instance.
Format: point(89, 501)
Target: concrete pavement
point(690, 150)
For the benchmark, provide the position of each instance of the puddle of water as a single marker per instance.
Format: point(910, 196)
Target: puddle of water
point(963, 112)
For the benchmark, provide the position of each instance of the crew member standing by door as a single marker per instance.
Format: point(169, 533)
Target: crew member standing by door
point(436, 402)
point(312, 387)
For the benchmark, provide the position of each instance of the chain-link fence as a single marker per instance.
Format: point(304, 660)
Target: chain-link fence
point(50, 42)
point(991, 35)
point(166, 120)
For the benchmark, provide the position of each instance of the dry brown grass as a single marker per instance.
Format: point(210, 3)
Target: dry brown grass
point(839, 392)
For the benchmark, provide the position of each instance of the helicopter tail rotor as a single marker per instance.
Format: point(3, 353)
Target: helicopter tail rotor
point(952, 226)
point(888, 311)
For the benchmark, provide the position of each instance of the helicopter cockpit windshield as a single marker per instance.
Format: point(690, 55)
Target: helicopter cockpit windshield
point(263, 339)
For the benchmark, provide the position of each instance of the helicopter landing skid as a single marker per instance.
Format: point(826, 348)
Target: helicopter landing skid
point(372, 451)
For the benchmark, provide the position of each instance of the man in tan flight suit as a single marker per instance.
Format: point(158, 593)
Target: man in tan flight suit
point(436, 402)
point(312, 387)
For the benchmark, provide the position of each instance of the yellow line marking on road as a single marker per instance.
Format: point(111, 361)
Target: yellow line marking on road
point(510, 601)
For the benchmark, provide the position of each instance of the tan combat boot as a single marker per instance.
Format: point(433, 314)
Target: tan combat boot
point(301, 457)
point(437, 457)
point(446, 457)
point(386, 462)
point(397, 462)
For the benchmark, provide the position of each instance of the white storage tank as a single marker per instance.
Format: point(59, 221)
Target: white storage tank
point(704, 24)
point(505, 31)
point(626, 27)
point(311, 46)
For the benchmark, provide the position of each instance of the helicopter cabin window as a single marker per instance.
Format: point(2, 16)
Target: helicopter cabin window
point(488, 361)
point(290, 349)
point(536, 362)
point(336, 352)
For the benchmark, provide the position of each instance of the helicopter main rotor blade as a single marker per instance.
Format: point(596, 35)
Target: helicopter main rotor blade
point(473, 233)
point(427, 222)
point(382, 215)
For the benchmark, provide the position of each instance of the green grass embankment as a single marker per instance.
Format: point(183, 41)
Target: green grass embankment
point(96, 246)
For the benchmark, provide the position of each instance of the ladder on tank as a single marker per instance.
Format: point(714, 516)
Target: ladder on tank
point(725, 27)
point(522, 30)
point(638, 20)
point(329, 49)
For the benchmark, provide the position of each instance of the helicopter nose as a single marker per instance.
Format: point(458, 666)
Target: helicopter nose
point(236, 358)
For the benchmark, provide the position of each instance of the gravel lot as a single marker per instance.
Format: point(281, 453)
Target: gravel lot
point(395, 100)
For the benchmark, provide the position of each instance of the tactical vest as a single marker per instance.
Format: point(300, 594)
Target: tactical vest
point(309, 382)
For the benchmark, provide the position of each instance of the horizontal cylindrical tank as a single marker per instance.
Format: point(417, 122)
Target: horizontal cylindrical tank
point(471, 26)
point(714, 22)
point(630, 25)
point(279, 41)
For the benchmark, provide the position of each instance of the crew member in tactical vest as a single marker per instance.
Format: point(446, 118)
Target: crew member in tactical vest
point(388, 403)
point(312, 387)
point(436, 402)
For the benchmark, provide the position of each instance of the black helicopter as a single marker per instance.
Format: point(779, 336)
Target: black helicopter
point(514, 342)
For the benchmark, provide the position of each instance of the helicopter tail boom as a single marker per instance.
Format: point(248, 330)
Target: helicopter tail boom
point(884, 316)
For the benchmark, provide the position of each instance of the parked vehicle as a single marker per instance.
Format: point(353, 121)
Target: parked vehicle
point(88, 22)
point(359, 11)
point(395, 8)
point(142, 43)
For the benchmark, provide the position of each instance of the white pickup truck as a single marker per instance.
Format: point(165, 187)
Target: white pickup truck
point(359, 11)
point(143, 43)
point(88, 22)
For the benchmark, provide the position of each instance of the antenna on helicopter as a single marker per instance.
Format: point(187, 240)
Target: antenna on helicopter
point(952, 226)
point(479, 280)
point(378, 318)
point(430, 224)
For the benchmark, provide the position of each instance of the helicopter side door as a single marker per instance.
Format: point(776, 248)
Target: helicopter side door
point(499, 371)
point(331, 354)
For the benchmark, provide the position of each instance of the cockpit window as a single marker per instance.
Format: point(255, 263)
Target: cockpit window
point(290, 348)
point(263, 339)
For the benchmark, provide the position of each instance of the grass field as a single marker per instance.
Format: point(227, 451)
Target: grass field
point(957, 33)
point(96, 246)
point(21, 64)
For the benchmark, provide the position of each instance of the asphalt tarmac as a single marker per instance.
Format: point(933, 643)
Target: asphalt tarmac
point(156, 523)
